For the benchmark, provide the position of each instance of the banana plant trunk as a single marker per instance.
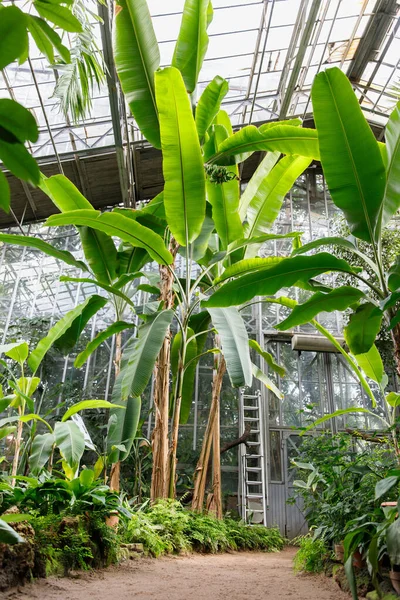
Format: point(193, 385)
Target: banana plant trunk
point(159, 439)
point(17, 450)
point(396, 344)
point(115, 474)
point(214, 501)
point(212, 431)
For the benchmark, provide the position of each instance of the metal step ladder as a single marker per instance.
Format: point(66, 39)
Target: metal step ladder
point(252, 484)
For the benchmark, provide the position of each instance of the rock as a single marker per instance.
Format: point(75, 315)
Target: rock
point(17, 561)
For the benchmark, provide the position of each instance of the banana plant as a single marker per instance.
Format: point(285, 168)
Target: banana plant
point(66, 435)
point(362, 176)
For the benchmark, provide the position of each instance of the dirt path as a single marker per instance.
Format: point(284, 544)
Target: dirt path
point(234, 576)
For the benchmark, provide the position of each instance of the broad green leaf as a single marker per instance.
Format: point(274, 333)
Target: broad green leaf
point(393, 542)
point(266, 203)
point(351, 578)
point(16, 517)
point(122, 426)
point(46, 38)
point(209, 104)
point(7, 534)
point(384, 485)
point(394, 275)
point(155, 206)
point(269, 359)
point(338, 299)
point(19, 352)
point(371, 363)
point(115, 224)
point(99, 248)
point(13, 35)
point(38, 244)
point(192, 43)
point(87, 405)
point(254, 188)
point(235, 344)
point(393, 399)
point(59, 15)
point(189, 373)
point(224, 199)
point(391, 202)
point(70, 441)
point(337, 413)
point(260, 239)
point(261, 376)
point(7, 348)
point(113, 291)
point(35, 417)
point(137, 58)
point(4, 193)
point(66, 342)
point(363, 327)
point(18, 120)
point(141, 353)
point(70, 325)
point(17, 159)
point(42, 447)
point(98, 467)
point(184, 191)
point(268, 281)
point(335, 241)
point(5, 431)
point(287, 139)
point(198, 248)
point(350, 155)
point(248, 265)
point(86, 477)
point(113, 329)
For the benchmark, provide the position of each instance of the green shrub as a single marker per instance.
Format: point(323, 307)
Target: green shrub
point(311, 556)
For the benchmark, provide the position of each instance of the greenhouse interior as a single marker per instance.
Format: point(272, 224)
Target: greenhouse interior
point(200, 299)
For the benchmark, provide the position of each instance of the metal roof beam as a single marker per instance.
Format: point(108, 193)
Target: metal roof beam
point(383, 14)
point(304, 41)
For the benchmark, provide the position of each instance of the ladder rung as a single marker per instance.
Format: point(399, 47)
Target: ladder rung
point(252, 419)
point(247, 396)
point(255, 496)
point(254, 431)
point(253, 443)
point(250, 407)
point(254, 510)
point(253, 469)
point(249, 482)
point(253, 456)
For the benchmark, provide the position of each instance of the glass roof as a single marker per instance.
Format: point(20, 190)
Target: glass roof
point(268, 50)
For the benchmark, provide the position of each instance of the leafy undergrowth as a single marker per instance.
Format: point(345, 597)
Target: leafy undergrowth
point(311, 556)
point(167, 527)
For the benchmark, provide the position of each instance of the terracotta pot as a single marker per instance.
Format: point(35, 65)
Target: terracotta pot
point(339, 552)
point(395, 580)
point(113, 519)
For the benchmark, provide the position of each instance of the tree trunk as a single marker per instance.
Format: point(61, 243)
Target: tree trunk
point(159, 438)
point(172, 459)
point(17, 449)
point(116, 467)
point(396, 343)
point(200, 475)
point(214, 503)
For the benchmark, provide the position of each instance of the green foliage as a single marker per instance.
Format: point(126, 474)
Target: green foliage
point(312, 555)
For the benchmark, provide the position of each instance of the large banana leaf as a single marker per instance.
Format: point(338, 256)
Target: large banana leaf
point(338, 299)
point(192, 43)
point(253, 187)
point(287, 139)
point(42, 447)
point(235, 344)
point(248, 265)
point(224, 199)
point(66, 342)
point(371, 363)
point(391, 201)
point(69, 325)
point(350, 155)
point(87, 405)
point(209, 104)
point(268, 281)
point(363, 327)
point(70, 441)
point(8, 535)
point(137, 58)
point(269, 384)
point(99, 248)
point(115, 224)
point(112, 290)
point(122, 425)
point(116, 327)
point(38, 244)
point(140, 354)
point(269, 359)
point(189, 373)
point(184, 191)
point(266, 203)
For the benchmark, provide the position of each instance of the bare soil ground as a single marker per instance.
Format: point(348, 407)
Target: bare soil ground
point(235, 576)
